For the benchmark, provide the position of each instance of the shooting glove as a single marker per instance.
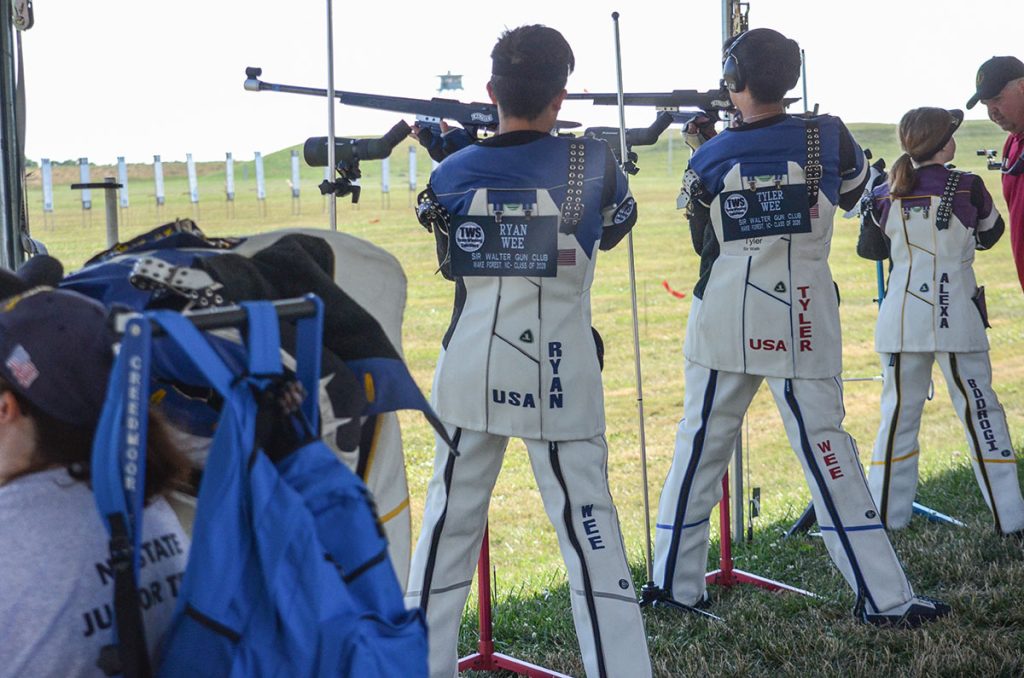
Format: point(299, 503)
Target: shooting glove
point(434, 217)
point(699, 129)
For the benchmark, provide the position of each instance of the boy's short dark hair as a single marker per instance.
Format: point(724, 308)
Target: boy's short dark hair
point(769, 61)
point(529, 67)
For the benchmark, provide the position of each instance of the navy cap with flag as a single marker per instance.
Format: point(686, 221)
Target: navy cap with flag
point(993, 76)
point(56, 350)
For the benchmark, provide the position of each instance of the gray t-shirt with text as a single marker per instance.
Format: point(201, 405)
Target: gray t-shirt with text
point(56, 584)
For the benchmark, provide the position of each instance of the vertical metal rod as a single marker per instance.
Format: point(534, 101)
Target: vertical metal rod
point(803, 78)
point(737, 490)
point(880, 281)
point(636, 329)
point(11, 251)
point(110, 196)
point(725, 562)
point(726, 20)
point(733, 24)
point(485, 646)
point(332, 202)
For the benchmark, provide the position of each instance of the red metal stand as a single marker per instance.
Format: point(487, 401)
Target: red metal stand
point(726, 574)
point(485, 658)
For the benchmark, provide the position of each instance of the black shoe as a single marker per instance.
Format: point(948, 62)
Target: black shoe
point(922, 609)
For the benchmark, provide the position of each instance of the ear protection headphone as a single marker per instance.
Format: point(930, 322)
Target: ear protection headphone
point(732, 74)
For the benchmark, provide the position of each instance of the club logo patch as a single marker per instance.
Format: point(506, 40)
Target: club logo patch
point(736, 206)
point(624, 212)
point(469, 236)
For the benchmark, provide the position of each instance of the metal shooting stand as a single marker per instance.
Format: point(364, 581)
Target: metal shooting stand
point(485, 658)
point(727, 575)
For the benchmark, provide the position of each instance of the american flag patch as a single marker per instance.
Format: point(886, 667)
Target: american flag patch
point(566, 257)
point(21, 367)
point(814, 211)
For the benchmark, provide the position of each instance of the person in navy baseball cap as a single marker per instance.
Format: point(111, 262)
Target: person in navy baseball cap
point(56, 356)
point(56, 350)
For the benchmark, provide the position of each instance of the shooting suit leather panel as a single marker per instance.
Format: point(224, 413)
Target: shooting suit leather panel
point(929, 301)
point(572, 479)
point(520, 360)
point(697, 197)
point(714, 405)
point(894, 464)
point(934, 311)
point(537, 373)
point(770, 310)
point(771, 304)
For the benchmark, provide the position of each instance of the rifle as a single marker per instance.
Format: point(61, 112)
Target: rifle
point(473, 117)
point(711, 102)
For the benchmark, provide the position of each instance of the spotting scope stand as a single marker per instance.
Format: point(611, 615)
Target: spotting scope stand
point(726, 575)
point(808, 519)
point(485, 658)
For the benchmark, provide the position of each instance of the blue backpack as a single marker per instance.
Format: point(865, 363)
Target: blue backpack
point(288, 573)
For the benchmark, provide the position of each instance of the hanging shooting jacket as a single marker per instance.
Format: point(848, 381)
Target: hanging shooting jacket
point(527, 214)
point(761, 200)
point(932, 302)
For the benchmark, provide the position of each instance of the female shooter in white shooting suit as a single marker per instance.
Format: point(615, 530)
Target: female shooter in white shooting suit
point(930, 220)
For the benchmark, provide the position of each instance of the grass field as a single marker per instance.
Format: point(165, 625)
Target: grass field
point(979, 573)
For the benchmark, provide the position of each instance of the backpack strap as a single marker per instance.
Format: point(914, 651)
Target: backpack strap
point(264, 339)
point(196, 349)
point(118, 469)
point(813, 171)
point(572, 206)
point(945, 211)
point(309, 332)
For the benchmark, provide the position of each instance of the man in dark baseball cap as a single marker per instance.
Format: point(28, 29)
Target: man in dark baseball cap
point(1000, 86)
point(994, 75)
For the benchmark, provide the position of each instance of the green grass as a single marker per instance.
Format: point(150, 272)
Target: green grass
point(979, 573)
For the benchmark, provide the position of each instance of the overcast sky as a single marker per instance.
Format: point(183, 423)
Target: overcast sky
point(142, 77)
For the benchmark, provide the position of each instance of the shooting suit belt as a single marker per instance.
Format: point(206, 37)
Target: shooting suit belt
point(572, 206)
point(572, 479)
point(812, 409)
point(812, 168)
point(945, 209)
point(894, 465)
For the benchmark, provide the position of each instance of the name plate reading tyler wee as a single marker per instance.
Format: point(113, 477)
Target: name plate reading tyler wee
point(765, 212)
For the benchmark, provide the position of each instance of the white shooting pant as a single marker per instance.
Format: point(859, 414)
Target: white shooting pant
point(812, 410)
point(893, 474)
point(572, 477)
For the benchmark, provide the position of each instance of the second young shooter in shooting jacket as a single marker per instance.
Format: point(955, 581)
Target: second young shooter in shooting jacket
point(760, 199)
point(930, 220)
point(521, 217)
